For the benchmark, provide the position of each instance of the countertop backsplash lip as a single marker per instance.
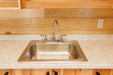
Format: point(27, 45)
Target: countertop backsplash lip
point(68, 37)
point(95, 47)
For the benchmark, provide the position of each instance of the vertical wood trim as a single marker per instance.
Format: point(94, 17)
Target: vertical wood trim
point(19, 4)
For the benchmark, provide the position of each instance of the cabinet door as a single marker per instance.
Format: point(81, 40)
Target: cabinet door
point(41, 72)
point(21, 72)
point(85, 72)
point(102, 72)
point(78, 72)
point(5, 72)
point(69, 71)
point(57, 71)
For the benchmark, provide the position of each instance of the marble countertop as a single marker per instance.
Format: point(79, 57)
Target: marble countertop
point(97, 48)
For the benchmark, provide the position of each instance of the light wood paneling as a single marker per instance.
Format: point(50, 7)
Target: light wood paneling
point(79, 12)
point(21, 72)
point(59, 13)
point(66, 4)
point(44, 26)
point(15, 25)
point(9, 3)
point(73, 25)
point(22, 13)
point(102, 71)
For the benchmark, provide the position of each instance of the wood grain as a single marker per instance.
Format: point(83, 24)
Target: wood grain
point(15, 25)
point(22, 13)
point(79, 12)
point(21, 72)
point(102, 71)
point(73, 25)
point(9, 3)
point(66, 4)
point(85, 72)
point(3, 71)
point(44, 26)
point(40, 71)
point(59, 13)
point(77, 71)
point(69, 72)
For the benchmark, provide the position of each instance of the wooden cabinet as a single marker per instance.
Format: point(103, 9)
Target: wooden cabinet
point(57, 72)
point(5, 72)
point(40, 72)
point(21, 72)
point(102, 72)
point(78, 72)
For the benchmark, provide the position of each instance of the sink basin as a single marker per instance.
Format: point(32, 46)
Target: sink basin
point(38, 50)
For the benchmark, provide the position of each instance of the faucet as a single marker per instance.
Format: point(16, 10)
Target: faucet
point(53, 33)
point(58, 30)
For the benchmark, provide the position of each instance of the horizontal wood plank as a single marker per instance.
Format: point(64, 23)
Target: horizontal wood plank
point(79, 12)
point(44, 26)
point(66, 4)
point(8, 3)
point(22, 13)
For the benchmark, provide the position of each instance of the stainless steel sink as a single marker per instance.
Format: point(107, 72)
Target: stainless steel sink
point(39, 50)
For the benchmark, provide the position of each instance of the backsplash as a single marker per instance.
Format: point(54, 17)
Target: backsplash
point(68, 37)
point(72, 21)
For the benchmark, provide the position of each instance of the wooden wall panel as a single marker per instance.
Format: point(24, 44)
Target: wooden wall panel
point(87, 12)
point(15, 25)
point(95, 13)
point(66, 4)
point(22, 13)
point(9, 3)
point(73, 25)
point(44, 26)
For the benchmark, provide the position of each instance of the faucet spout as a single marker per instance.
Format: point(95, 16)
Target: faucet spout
point(58, 30)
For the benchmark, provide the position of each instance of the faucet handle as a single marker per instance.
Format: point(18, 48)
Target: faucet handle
point(42, 35)
point(45, 36)
point(63, 35)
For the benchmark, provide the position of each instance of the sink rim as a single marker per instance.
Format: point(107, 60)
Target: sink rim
point(82, 56)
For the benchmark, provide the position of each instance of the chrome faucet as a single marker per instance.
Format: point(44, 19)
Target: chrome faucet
point(60, 39)
point(58, 30)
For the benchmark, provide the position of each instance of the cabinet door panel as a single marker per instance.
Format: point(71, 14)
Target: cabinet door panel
point(102, 72)
point(70, 72)
point(21, 72)
point(41, 71)
point(85, 72)
point(5, 72)
point(57, 71)
point(78, 72)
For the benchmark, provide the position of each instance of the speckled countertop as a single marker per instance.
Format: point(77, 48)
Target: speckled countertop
point(97, 48)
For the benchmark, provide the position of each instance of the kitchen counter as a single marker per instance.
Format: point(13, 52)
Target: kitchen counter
point(97, 48)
